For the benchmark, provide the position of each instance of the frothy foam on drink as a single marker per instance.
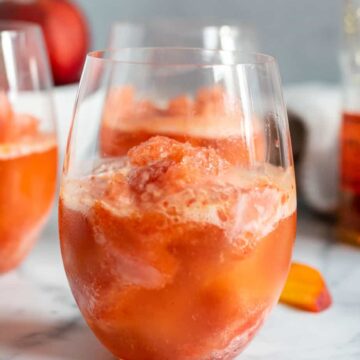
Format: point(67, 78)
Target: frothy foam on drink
point(36, 144)
point(193, 127)
point(237, 202)
point(181, 184)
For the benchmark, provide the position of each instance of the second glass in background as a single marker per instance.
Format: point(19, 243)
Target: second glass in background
point(28, 147)
point(200, 33)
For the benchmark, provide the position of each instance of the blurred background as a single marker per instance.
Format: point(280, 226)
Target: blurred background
point(303, 35)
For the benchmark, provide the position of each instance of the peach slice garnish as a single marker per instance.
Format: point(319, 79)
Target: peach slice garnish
point(306, 289)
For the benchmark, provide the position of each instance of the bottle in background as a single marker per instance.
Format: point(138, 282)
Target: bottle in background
point(349, 206)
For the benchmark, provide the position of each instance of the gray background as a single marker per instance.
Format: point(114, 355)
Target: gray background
point(302, 34)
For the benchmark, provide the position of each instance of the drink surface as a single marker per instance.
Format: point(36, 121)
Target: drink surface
point(349, 209)
point(28, 165)
point(175, 252)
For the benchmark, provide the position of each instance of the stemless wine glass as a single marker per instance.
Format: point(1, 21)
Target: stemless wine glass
point(28, 151)
point(202, 33)
point(177, 204)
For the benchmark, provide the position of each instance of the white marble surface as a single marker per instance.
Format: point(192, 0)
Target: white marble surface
point(39, 320)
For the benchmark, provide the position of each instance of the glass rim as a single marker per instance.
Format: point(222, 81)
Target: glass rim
point(249, 58)
point(15, 27)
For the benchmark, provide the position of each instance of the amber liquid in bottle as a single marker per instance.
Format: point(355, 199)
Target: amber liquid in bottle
point(349, 207)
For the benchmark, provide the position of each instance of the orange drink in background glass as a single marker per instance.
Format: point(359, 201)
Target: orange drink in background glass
point(28, 150)
point(348, 222)
point(177, 204)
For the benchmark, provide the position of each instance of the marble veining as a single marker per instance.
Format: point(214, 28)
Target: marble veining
point(40, 321)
